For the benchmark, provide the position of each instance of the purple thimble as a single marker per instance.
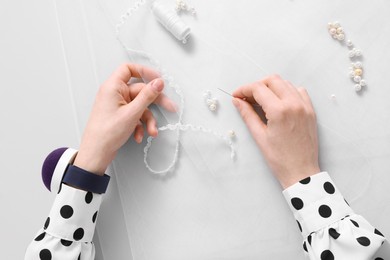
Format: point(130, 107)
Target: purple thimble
point(55, 165)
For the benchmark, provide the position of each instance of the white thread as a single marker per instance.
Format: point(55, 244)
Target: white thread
point(169, 81)
point(184, 127)
point(169, 19)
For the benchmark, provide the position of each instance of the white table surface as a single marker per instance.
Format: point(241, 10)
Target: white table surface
point(211, 207)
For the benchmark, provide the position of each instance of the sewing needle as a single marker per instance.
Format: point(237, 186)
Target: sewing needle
point(224, 91)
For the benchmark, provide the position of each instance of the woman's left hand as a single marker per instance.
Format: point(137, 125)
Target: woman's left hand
point(120, 109)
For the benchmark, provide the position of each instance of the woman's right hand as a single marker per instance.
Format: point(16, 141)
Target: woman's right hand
point(288, 138)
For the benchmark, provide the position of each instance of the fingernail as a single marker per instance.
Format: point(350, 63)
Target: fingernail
point(157, 84)
point(236, 103)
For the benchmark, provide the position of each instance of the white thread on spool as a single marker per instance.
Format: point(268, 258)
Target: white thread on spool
point(171, 21)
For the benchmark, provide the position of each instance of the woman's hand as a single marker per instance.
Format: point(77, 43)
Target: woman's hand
point(288, 138)
point(120, 109)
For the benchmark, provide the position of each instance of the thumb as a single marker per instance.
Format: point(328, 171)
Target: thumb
point(251, 119)
point(146, 97)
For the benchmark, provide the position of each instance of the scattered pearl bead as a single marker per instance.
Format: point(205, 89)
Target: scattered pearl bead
point(351, 53)
point(349, 43)
point(358, 72)
point(363, 83)
point(340, 30)
point(332, 31)
point(357, 79)
point(358, 87)
point(213, 107)
point(358, 53)
point(232, 133)
point(336, 24)
point(340, 37)
point(352, 74)
point(358, 65)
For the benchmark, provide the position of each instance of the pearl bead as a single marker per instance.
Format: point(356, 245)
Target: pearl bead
point(336, 24)
point(357, 79)
point(363, 83)
point(340, 37)
point(358, 72)
point(232, 133)
point(213, 107)
point(352, 74)
point(358, 87)
point(358, 65)
point(358, 53)
point(352, 53)
point(349, 43)
point(340, 30)
point(332, 31)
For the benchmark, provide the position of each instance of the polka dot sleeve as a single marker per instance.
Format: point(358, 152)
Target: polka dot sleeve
point(330, 228)
point(67, 232)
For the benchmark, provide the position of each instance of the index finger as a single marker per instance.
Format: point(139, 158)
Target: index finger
point(128, 70)
point(256, 92)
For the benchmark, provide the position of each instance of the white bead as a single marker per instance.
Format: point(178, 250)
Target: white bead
point(232, 133)
point(340, 30)
point(213, 107)
point(358, 65)
point(357, 79)
point(352, 74)
point(340, 37)
point(349, 43)
point(363, 83)
point(332, 31)
point(336, 24)
point(358, 53)
point(352, 53)
point(358, 87)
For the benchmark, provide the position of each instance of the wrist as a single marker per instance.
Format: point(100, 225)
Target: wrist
point(294, 176)
point(93, 162)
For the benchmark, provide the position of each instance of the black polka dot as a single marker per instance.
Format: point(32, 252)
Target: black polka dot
point(88, 197)
point(94, 217)
point(379, 258)
point(47, 222)
point(305, 180)
point(376, 231)
point(78, 234)
point(299, 225)
point(66, 211)
point(297, 203)
point(354, 222)
point(40, 237)
point(66, 242)
point(309, 239)
point(333, 233)
point(329, 188)
point(364, 241)
point(327, 255)
point(325, 211)
point(45, 254)
point(304, 246)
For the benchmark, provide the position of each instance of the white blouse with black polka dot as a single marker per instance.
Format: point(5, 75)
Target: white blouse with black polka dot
point(331, 230)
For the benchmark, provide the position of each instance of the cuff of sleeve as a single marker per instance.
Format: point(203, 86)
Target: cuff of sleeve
point(73, 215)
point(316, 203)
